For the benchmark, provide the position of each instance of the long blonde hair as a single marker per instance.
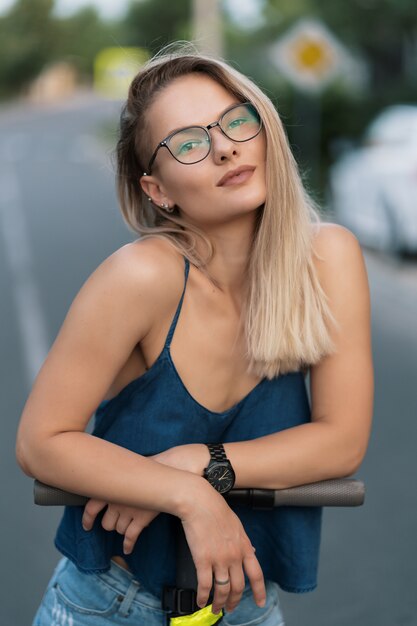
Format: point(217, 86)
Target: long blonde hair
point(286, 313)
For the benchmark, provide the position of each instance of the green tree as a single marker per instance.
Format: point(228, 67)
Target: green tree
point(32, 37)
point(154, 23)
point(84, 34)
point(28, 37)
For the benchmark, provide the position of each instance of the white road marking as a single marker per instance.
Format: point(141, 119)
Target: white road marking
point(14, 231)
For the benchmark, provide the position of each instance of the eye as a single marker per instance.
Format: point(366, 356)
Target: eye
point(188, 146)
point(239, 121)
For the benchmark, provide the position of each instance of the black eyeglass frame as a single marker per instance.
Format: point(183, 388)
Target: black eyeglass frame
point(164, 142)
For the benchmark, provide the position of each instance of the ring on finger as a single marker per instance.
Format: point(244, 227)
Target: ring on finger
point(221, 582)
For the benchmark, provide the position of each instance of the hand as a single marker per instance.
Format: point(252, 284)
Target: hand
point(130, 521)
point(220, 546)
point(126, 520)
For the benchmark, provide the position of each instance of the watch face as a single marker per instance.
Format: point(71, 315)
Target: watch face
point(221, 477)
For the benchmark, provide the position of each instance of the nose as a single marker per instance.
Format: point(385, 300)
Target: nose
point(222, 147)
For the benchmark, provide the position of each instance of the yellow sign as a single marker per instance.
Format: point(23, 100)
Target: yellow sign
point(312, 55)
point(114, 69)
point(309, 55)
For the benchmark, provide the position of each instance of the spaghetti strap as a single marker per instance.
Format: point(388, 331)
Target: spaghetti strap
point(177, 312)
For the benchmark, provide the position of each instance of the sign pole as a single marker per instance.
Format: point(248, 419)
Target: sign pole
point(310, 57)
point(207, 27)
point(307, 135)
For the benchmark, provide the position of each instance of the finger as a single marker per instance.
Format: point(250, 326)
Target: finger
point(122, 523)
point(131, 536)
point(237, 585)
point(221, 585)
point(139, 517)
point(135, 527)
point(204, 582)
point(91, 510)
point(110, 518)
point(256, 578)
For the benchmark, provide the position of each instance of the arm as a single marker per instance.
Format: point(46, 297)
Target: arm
point(105, 322)
point(114, 311)
point(334, 443)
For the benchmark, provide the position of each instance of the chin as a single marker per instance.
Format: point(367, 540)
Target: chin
point(252, 203)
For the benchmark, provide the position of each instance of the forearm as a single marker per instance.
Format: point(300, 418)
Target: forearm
point(295, 456)
point(90, 466)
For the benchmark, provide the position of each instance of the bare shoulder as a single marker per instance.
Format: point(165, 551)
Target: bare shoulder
point(148, 259)
point(129, 291)
point(332, 240)
point(151, 268)
point(336, 253)
point(342, 274)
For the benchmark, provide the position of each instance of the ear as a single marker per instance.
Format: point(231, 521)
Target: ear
point(155, 191)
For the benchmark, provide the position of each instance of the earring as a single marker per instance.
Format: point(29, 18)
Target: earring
point(166, 207)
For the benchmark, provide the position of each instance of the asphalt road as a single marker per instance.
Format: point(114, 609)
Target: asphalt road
point(58, 221)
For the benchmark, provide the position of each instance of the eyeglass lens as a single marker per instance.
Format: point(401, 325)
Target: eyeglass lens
point(192, 144)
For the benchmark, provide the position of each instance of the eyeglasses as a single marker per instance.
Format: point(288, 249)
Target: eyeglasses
point(241, 122)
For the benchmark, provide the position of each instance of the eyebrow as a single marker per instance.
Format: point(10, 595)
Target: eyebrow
point(176, 130)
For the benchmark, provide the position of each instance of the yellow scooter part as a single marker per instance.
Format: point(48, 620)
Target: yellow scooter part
point(202, 617)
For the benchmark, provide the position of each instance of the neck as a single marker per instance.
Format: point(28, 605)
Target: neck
point(232, 244)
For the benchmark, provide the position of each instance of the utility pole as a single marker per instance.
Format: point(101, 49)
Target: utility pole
point(208, 26)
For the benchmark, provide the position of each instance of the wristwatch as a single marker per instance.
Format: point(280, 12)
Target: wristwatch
point(219, 472)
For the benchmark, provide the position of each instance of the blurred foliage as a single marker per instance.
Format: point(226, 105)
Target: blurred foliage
point(152, 24)
point(82, 35)
point(28, 38)
point(33, 37)
point(381, 34)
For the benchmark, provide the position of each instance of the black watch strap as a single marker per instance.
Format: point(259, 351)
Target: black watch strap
point(217, 452)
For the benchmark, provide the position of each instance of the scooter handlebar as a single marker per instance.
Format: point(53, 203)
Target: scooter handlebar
point(334, 492)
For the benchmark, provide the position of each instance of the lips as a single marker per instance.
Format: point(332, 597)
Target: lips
point(239, 175)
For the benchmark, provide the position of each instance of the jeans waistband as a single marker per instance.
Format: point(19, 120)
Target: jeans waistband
point(123, 582)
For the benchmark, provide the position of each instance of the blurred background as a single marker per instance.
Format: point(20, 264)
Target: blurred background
point(343, 77)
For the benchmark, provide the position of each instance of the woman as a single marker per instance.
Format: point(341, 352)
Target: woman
point(266, 292)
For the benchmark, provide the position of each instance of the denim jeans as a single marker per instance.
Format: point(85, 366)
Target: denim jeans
point(73, 598)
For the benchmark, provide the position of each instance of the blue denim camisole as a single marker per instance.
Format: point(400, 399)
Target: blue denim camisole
point(155, 412)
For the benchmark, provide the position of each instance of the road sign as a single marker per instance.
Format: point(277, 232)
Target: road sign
point(309, 55)
point(114, 69)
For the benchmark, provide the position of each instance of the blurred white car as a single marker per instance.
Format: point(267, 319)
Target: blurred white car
point(373, 189)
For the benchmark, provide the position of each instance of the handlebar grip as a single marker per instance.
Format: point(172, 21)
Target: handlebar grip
point(45, 495)
point(334, 492)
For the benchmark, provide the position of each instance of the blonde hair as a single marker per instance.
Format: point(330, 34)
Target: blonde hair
point(286, 316)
